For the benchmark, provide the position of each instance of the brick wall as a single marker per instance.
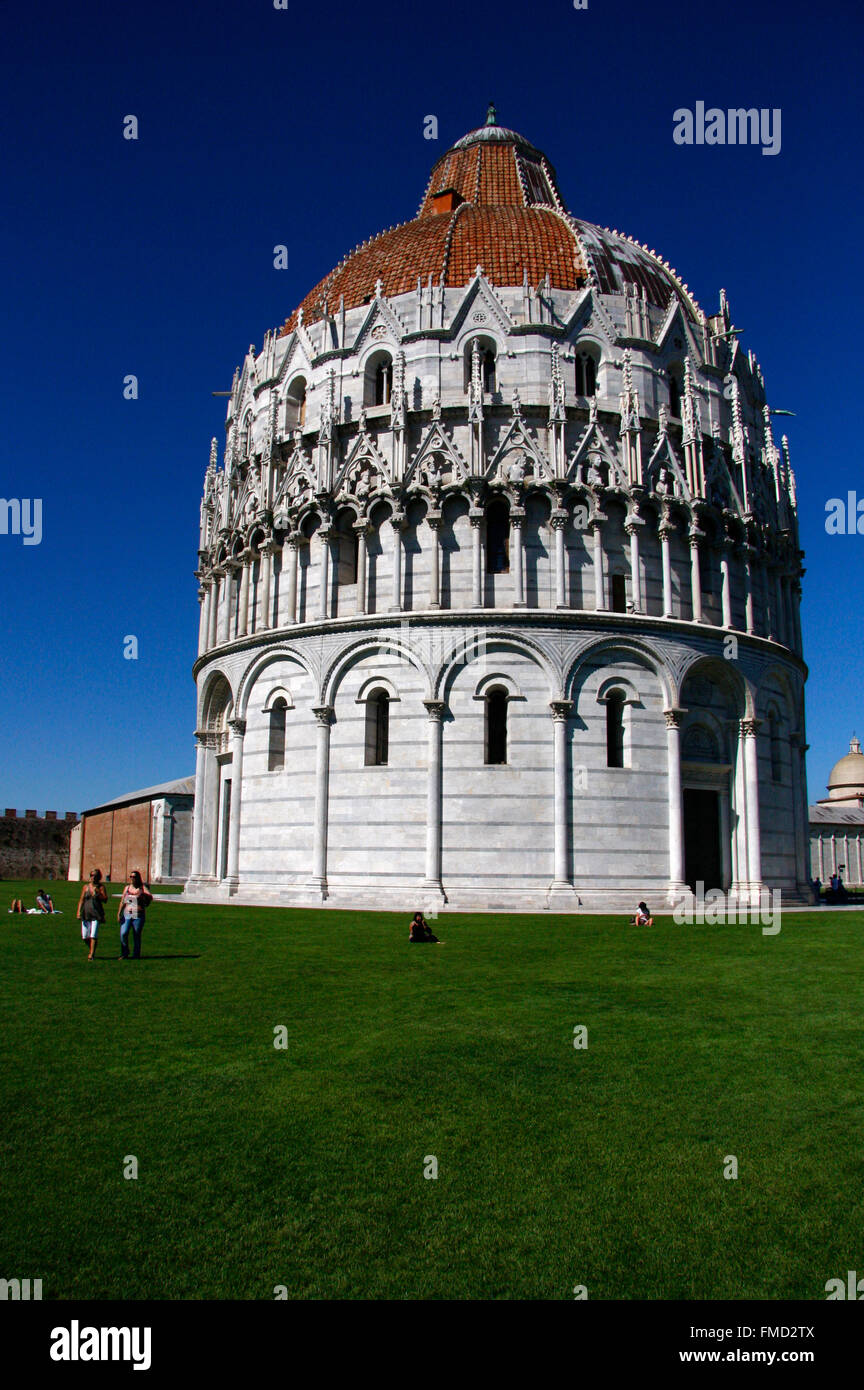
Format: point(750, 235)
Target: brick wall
point(117, 842)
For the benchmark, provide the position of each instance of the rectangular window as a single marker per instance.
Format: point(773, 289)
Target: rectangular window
point(496, 726)
point(377, 742)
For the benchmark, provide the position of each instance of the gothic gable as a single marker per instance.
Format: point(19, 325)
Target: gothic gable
point(481, 308)
point(519, 458)
point(437, 462)
point(594, 461)
point(364, 471)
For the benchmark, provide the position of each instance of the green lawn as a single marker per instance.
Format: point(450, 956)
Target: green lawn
point(304, 1167)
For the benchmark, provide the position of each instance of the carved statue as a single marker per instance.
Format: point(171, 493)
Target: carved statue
point(517, 469)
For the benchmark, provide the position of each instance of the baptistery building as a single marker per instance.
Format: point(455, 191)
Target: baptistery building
point(499, 578)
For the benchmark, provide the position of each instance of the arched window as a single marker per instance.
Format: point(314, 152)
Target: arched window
point(246, 437)
point(776, 751)
point(383, 383)
point(615, 728)
point(497, 538)
point(673, 377)
point(496, 725)
point(378, 379)
point(295, 404)
point(586, 375)
point(488, 370)
point(377, 728)
point(487, 353)
point(276, 745)
point(619, 593)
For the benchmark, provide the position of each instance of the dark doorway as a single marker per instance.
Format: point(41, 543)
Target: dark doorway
point(702, 862)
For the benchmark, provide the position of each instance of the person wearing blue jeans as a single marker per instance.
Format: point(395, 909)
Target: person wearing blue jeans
point(136, 896)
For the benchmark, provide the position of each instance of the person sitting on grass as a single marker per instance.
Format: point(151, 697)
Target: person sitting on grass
point(643, 916)
point(420, 931)
point(44, 901)
point(17, 906)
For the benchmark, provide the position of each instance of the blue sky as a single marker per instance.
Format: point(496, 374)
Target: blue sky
point(305, 127)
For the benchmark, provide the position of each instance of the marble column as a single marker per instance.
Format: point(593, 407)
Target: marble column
point(676, 801)
point(204, 615)
point(433, 521)
point(695, 576)
point(252, 620)
point(632, 529)
point(665, 532)
point(475, 516)
point(361, 530)
point(290, 549)
point(325, 536)
point(738, 786)
point(201, 747)
point(266, 582)
point(749, 729)
point(560, 713)
point(517, 556)
point(749, 622)
point(243, 602)
point(324, 718)
point(230, 584)
point(596, 528)
point(238, 730)
point(558, 520)
point(211, 806)
point(725, 585)
point(215, 591)
point(797, 748)
point(435, 711)
point(397, 521)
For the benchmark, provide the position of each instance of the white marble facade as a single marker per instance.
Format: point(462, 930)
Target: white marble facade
point(523, 633)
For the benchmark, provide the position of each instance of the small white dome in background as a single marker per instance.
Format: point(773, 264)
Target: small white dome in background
point(846, 782)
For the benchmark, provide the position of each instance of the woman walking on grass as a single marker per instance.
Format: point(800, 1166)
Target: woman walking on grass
point(91, 910)
point(136, 898)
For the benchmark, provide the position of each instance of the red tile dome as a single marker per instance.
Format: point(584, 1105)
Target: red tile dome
point(492, 200)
